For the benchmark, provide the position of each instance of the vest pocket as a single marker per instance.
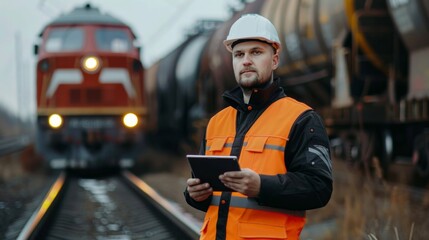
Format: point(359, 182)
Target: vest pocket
point(216, 144)
point(256, 144)
point(264, 154)
point(260, 231)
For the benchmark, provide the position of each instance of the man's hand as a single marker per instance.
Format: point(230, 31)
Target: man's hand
point(198, 191)
point(245, 181)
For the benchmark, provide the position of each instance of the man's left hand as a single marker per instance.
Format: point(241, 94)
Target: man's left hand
point(245, 181)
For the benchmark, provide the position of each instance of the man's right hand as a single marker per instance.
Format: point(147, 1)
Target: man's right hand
point(198, 191)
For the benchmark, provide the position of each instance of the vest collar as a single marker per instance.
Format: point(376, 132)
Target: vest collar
point(260, 98)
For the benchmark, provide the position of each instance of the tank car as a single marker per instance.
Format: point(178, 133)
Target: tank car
point(172, 91)
point(359, 63)
point(90, 91)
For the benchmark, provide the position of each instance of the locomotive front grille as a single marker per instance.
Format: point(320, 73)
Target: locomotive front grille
point(75, 96)
point(90, 96)
point(93, 96)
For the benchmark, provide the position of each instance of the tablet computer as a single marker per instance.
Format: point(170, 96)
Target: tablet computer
point(208, 168)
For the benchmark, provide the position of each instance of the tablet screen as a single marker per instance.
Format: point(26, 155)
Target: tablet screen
point(208, 168)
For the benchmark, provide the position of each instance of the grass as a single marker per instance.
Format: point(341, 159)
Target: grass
point(366, 208)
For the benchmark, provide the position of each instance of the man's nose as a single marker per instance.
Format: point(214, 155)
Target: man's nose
point(247, 60)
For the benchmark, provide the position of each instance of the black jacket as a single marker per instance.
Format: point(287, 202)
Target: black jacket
point(308, 182)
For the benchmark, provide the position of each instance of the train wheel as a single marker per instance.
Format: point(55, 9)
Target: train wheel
point(351, 148)
point(356, 146)
point(367, 140)
point(385, 154)
point(337, 146)
point(360, 151)
point(421, 155)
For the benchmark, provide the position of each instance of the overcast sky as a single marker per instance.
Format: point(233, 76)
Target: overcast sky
point(159, 24)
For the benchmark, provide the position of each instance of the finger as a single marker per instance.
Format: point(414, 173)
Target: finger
point(230, 180)
point(233, 174)
point(201, 195)
point(198, 187)
point(192, 181)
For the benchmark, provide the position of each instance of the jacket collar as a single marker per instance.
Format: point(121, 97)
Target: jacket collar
point(261, 97)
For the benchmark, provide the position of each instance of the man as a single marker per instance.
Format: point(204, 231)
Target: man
point(281, 144)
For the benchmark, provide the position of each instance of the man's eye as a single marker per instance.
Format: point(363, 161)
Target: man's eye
point(238, 54)
point(256, 52)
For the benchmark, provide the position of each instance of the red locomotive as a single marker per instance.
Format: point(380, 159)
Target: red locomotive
point(90, 99)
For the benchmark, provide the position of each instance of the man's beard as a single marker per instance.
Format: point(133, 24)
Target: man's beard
point(253, 82)
point(248, 83)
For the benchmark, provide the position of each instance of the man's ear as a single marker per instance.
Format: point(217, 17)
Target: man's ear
point(275, 61)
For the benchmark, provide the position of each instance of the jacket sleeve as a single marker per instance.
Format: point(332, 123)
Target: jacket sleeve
point(203, 205)
point(308, 181)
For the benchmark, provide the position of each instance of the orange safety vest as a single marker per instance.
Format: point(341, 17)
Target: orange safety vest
point(262, 151)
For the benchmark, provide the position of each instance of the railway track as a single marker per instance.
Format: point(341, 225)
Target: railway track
point(115, 207)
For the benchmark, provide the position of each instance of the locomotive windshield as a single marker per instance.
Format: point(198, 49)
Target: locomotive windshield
point(64, 40)
point(113, 40)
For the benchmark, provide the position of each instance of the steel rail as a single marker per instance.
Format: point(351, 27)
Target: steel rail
point(34, 223)
point(189, 227)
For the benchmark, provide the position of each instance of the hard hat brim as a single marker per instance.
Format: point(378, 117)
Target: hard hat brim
point(229, 42)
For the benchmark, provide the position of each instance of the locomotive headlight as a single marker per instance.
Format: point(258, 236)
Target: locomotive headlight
point(91, 64)
point(55, 121)
point(130, 120)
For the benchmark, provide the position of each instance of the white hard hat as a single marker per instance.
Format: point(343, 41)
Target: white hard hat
point(252, 26)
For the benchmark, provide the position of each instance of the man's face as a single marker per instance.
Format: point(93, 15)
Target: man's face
point(253, 63)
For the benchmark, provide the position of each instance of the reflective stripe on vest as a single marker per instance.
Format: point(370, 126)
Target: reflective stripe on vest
point(266, 146)
point(250, 203)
